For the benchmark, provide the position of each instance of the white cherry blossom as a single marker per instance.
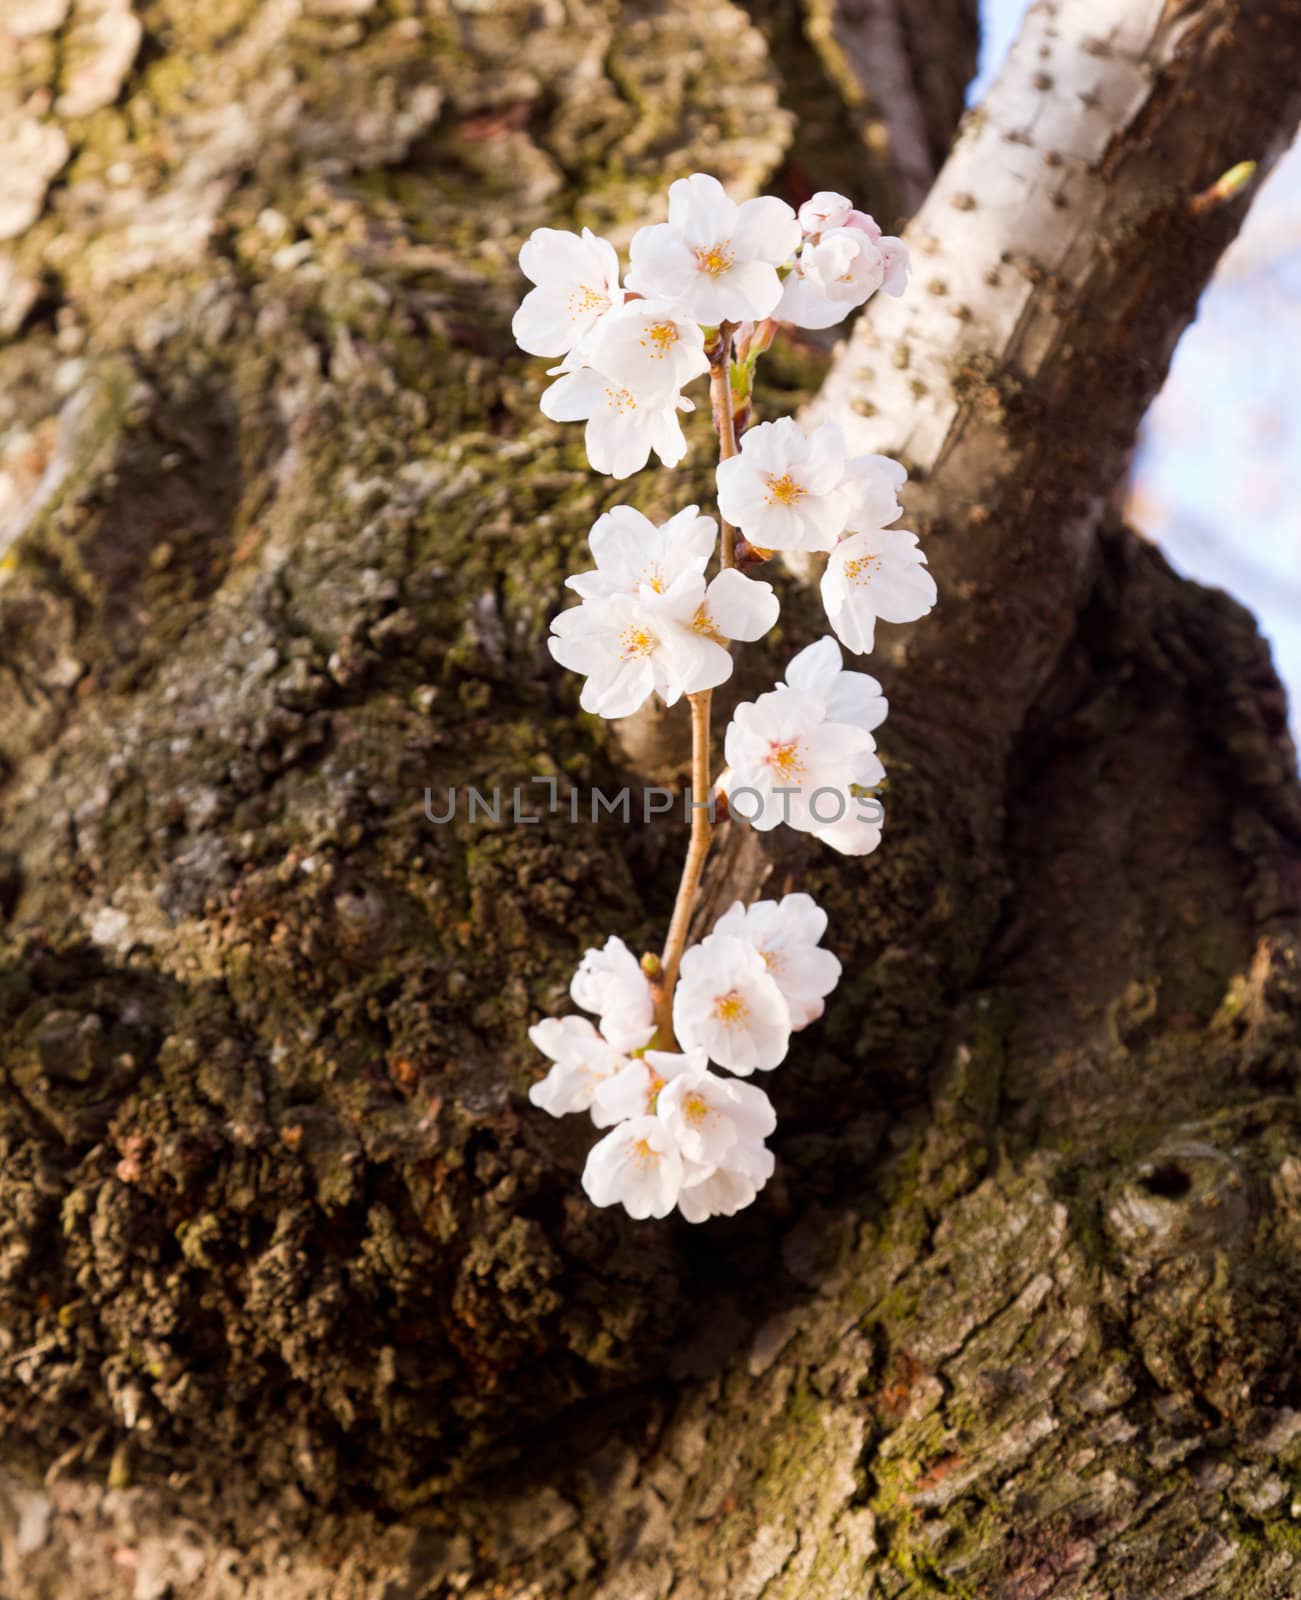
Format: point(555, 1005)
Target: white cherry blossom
point(725, 1190)
point(710, 1116)
point(637, 1165)
point(736, 607)
point(786, 762)
point(826, 209)
point(617, 644)
point(727, 1005)
point(715, 259)
point(852, 697)
point(631, 550)
point(786, 932)
point(582, 1059)
point(622, 427)
point(649, 348)
point(611, 984)
point(852, 704)
point(633, 1090)
point(790, 760)
point(845, 260)
point(785, 489)
point(577, 282)
point(875, 576)
point(832, 278)
point(874, 482)
point(670, 643)
point(894, 252)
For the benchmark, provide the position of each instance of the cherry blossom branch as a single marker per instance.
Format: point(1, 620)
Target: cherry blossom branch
point(705, 293)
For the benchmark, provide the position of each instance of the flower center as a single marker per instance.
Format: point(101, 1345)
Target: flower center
point(642, 1153)
point(718, 258)
point(861, 568)
point(659, 339)
point(694, 1109)
point(785, 759)
point(772, 960)
point(620, 400)
point(653, 1091)
point(784, 490)
point(583, 301)
point(731, 1008)
point(635, 642)
point(703, 623)
point(653, 577)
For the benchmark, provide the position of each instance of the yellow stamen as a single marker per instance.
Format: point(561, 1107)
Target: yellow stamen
point(694, 1109)
point(702, 622)
point(731, 1008)
point(620, 400)
point(718, 258)
point(659, 340)
point(583, 301)
point(785, 758)
point(635, 642)
point(784, 490)
point(860, 569)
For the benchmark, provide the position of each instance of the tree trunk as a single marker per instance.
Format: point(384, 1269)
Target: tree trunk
point(298, 1296)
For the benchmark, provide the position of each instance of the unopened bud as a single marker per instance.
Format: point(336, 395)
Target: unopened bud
point(1224, 189)
point(746, 554)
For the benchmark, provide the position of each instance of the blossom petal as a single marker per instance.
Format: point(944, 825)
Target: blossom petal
point(766, 230)
point(700, 208)
point(742, 608)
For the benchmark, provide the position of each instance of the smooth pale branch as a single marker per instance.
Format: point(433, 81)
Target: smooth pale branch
point(710, 1116)
point(649, 348)
point(786, 932)
point(723, 1191)
point(727, 1005)
point(875, 576)
point(582, 1059)
point(630, 551)
point(672, 644)
point(716, 260)
point(577, 282)
point(637, 1165)
point(611, 984)
point(786, 490)
point(622, 428)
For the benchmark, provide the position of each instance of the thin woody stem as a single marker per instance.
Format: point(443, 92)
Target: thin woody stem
point(702, 830)
point(720, 400)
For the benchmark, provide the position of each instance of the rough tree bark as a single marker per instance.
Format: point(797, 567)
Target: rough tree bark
point(297, 1298)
